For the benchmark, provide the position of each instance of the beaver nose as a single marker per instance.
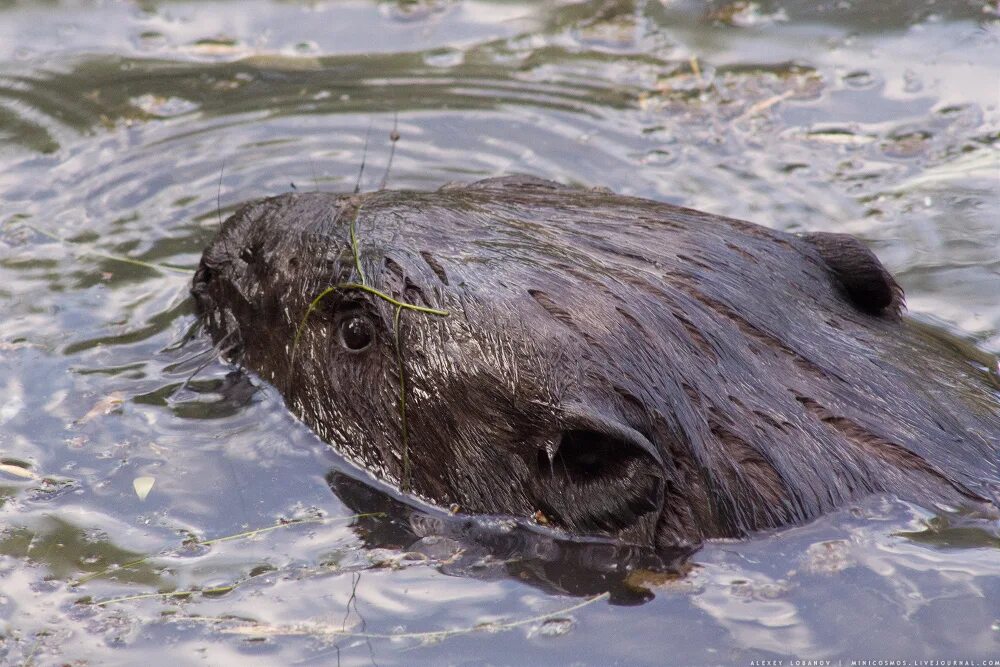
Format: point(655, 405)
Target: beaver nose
point(199, 284)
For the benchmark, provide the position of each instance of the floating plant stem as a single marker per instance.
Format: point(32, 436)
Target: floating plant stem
point(263, 629)
point(218, 590)
point(695, 68)
point(404, 483)
point(400, 306)
point(395, 302)
point(364, 288)
point(163, 268)
point(354, 246)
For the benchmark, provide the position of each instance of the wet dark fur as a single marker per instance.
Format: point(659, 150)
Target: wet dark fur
point(610, 365)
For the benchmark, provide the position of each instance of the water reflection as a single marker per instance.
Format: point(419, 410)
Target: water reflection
point(492, 548)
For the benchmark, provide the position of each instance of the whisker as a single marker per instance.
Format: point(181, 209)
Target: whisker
point(364, 156)
point(393, 138)
point(218, 194)
point(218, 351)
point(192, 332)
point(188, 359)
point(312, 167)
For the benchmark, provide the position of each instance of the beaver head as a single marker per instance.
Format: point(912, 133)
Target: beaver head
point(606, 365)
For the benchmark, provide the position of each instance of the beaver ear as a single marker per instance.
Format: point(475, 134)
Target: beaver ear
point(867, 283)
point(598, 476)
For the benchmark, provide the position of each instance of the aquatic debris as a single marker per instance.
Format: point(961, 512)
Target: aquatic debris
point(764, 105)
point(181, 595)
point(404, 484)
point(163, 268)
point(552, 627)
point(17, 470)
point(111, 403)
point(158, 106)
point(695, 69)
point(838, 136)
point(828, 557)
point(143, 485)
point(316, 629)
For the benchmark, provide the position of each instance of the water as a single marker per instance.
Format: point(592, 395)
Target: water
point(878, 119)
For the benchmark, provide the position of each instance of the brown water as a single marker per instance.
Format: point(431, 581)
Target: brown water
point(875, 118)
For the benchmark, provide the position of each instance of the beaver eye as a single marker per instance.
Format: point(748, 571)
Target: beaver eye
point(356, 333)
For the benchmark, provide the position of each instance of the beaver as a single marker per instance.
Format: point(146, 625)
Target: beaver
point(601, 364)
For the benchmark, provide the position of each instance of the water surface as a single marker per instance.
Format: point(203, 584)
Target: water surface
point(127, 129)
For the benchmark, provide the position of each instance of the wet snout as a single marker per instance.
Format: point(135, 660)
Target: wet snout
point(200, 286)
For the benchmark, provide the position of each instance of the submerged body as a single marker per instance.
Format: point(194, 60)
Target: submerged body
point(605, 364)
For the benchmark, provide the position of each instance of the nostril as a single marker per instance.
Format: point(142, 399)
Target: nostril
point(202, 276)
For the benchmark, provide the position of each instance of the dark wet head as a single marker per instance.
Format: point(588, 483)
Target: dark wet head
point(604, 364)
point(402, 338)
